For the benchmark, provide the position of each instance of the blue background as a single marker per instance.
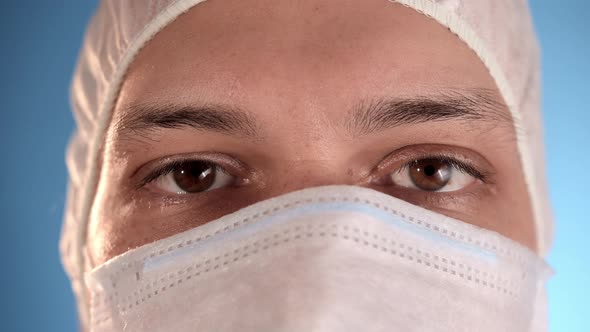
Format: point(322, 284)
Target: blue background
point(39, 45)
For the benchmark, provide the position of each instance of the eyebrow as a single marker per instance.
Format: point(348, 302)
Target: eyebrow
point(366, 117)
point(139, 118)
point(379, 114)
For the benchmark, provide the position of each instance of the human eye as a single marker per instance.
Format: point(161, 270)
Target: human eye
point(433, 171)
point(436, 174)
point(188, 176)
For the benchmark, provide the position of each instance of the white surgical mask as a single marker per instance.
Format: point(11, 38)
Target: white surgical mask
point(335, 258)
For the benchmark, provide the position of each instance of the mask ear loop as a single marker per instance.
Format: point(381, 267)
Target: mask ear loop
point(96, 313)
point(89, 262)
point(88, 266)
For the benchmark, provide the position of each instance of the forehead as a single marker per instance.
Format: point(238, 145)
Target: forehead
point(300, 55)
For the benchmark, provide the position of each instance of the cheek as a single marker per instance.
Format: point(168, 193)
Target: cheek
point(504, 209)
point(515, 217)
point(511, 217)
point(120, 222)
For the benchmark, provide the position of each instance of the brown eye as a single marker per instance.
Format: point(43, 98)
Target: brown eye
point(194, 177)
point(430, 174)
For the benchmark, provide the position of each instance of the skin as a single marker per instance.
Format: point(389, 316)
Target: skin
point(298, 68)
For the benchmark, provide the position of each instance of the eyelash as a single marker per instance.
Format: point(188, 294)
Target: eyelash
point(453, 162)
point(168, 168)
point(460, 165)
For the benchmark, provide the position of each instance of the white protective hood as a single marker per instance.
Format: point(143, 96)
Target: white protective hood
point(500, 32)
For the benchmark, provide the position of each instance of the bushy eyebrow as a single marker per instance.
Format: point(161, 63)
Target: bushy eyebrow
point(366, 117)
point(379, 114)
point(140, 118)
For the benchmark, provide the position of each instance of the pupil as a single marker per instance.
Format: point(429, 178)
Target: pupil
point(429, 170)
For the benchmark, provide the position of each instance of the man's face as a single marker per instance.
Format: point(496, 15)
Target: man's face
point(239, 101)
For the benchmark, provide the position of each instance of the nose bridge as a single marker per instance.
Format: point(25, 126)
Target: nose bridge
point(303, 174)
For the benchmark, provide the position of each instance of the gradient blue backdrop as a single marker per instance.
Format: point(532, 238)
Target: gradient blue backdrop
point(39, 45)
